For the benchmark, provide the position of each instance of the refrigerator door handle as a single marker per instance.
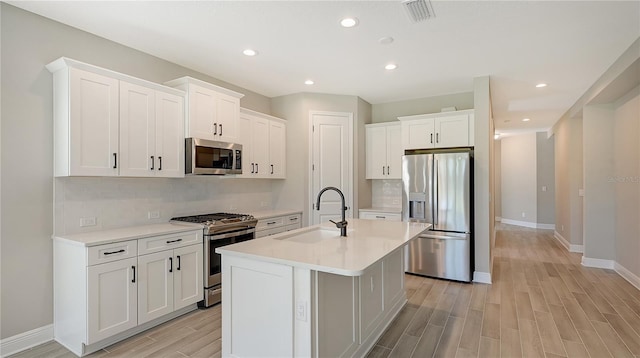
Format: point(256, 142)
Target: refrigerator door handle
point(436, 188)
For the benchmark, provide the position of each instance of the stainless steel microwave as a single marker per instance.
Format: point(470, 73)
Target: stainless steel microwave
point(211, 157)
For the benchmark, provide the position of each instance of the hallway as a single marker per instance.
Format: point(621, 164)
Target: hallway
point(543, 302)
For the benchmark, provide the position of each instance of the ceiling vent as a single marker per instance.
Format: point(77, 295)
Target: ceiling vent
point(418, 10)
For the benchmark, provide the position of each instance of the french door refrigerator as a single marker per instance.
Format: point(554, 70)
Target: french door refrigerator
point(437, 189)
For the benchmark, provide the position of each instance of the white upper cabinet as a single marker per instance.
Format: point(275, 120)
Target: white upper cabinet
point(263, 140)
point(109, 124)
point(212, 111)
point(438, 130)
point(384, 151)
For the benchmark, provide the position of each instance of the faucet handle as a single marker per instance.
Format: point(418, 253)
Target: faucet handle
point(340, 224)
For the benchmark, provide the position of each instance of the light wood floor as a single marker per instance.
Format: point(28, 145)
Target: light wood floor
point(542, 303)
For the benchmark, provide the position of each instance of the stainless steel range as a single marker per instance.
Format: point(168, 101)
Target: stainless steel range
point(220, 229)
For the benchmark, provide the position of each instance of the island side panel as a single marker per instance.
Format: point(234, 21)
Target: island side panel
point(303, 329)
point(257, 308)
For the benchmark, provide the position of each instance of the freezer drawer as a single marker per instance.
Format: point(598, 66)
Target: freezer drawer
point(440, 255)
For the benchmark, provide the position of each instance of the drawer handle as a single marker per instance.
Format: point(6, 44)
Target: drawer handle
point(293, 219)
point(271, 223)
point(134, 274)
point(380, 217)
point(114, 252)
point(172, 241)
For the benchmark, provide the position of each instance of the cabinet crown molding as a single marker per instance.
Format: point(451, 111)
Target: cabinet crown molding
point(260, 114)
point(65, 62)
point(437, 114)
point(190, 80)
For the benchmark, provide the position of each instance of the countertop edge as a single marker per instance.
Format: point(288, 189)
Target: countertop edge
point(125, 234)
point(268, 214)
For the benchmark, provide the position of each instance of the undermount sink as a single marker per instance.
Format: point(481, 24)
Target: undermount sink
point(314, 235)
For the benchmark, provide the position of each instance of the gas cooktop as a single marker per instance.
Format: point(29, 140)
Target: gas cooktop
point(216, 223)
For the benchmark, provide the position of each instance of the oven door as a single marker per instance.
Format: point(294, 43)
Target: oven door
point(213, 260)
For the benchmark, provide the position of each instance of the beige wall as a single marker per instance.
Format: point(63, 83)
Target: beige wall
point(386, 112)
point(294, 191)
point(518, 178)
point(498, 177)
point(626, 180)
point(545, 177)
point(29, 42)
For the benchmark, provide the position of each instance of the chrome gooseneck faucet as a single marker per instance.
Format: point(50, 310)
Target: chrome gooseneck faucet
point(342, 225)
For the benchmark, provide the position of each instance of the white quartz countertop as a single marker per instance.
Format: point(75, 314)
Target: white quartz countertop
point(266, 214)
point(383, 209)
point(321, 248)
point(128, 233)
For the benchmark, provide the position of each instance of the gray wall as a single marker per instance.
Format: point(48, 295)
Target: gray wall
point(386, 112)
point(498, 175)
point(29, 42)
point(483, 166)
point(518, 178)
point(626, 180)
point(294, 191)
point(599, 194)
point(545, 176)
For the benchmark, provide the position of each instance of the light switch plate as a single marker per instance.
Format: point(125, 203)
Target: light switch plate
point(153, 214)
point(88, 221)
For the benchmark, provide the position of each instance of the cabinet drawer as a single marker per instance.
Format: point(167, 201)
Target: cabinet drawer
point(292, 227)
point(293, 219)
point(111, 252)
point(270, 223)
point(165, 242)
point(268, 232)
point(381, 216)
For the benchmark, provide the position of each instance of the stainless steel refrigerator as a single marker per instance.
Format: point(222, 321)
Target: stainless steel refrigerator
point(437, 189)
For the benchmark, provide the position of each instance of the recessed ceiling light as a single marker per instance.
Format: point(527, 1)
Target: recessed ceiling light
point(250, 52)
point(540, 85)
point(391, 66)
point(308, 82)
point(385, 40)
point(349, 22)
point(526, 119)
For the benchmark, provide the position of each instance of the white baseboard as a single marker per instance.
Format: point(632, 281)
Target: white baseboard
point(598, 263)
point(627, 275)
point(26, 340)
point(564, 242)
point(519, 223)
point(498, 218)
point(481, 277)
point(546, 226)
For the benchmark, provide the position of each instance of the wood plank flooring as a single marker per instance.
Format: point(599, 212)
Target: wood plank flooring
point(543, 303)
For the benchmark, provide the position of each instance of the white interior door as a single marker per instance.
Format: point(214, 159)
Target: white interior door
point(332, 155)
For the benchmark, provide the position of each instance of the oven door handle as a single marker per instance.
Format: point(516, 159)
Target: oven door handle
point(227, 235)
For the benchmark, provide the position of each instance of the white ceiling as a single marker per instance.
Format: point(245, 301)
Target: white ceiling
point(517, 43)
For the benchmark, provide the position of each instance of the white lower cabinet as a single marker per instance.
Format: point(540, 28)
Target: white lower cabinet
point(112, 299)
point(106, 293)
point(169, 280)
point(277, 224)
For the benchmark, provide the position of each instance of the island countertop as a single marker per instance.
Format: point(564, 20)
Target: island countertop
point(321, 248)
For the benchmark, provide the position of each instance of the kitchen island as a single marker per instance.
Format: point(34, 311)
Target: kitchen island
point(310, 292)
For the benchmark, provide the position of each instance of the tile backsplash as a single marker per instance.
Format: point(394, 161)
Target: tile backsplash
point(121, 202)
point(386, 193)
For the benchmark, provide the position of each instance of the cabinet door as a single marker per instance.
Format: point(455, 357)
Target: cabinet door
point(112, 299)
point(418, 134)
point(376, 141)
point(371, 305)
point(202, 113)
point(245, 138)
point(169, 160)
point(137, 130)
point(394, 152)
point(260, 135)
point(93, 124)
point(228, 110)
point(187, 276)
point(155, 286)
point(277, 149)
point(452, 131)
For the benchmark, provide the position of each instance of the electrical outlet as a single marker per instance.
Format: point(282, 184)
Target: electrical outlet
point(153, 214)
point(524, 215)
point(89, 221)
point(544, 188)
point(301, 311)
